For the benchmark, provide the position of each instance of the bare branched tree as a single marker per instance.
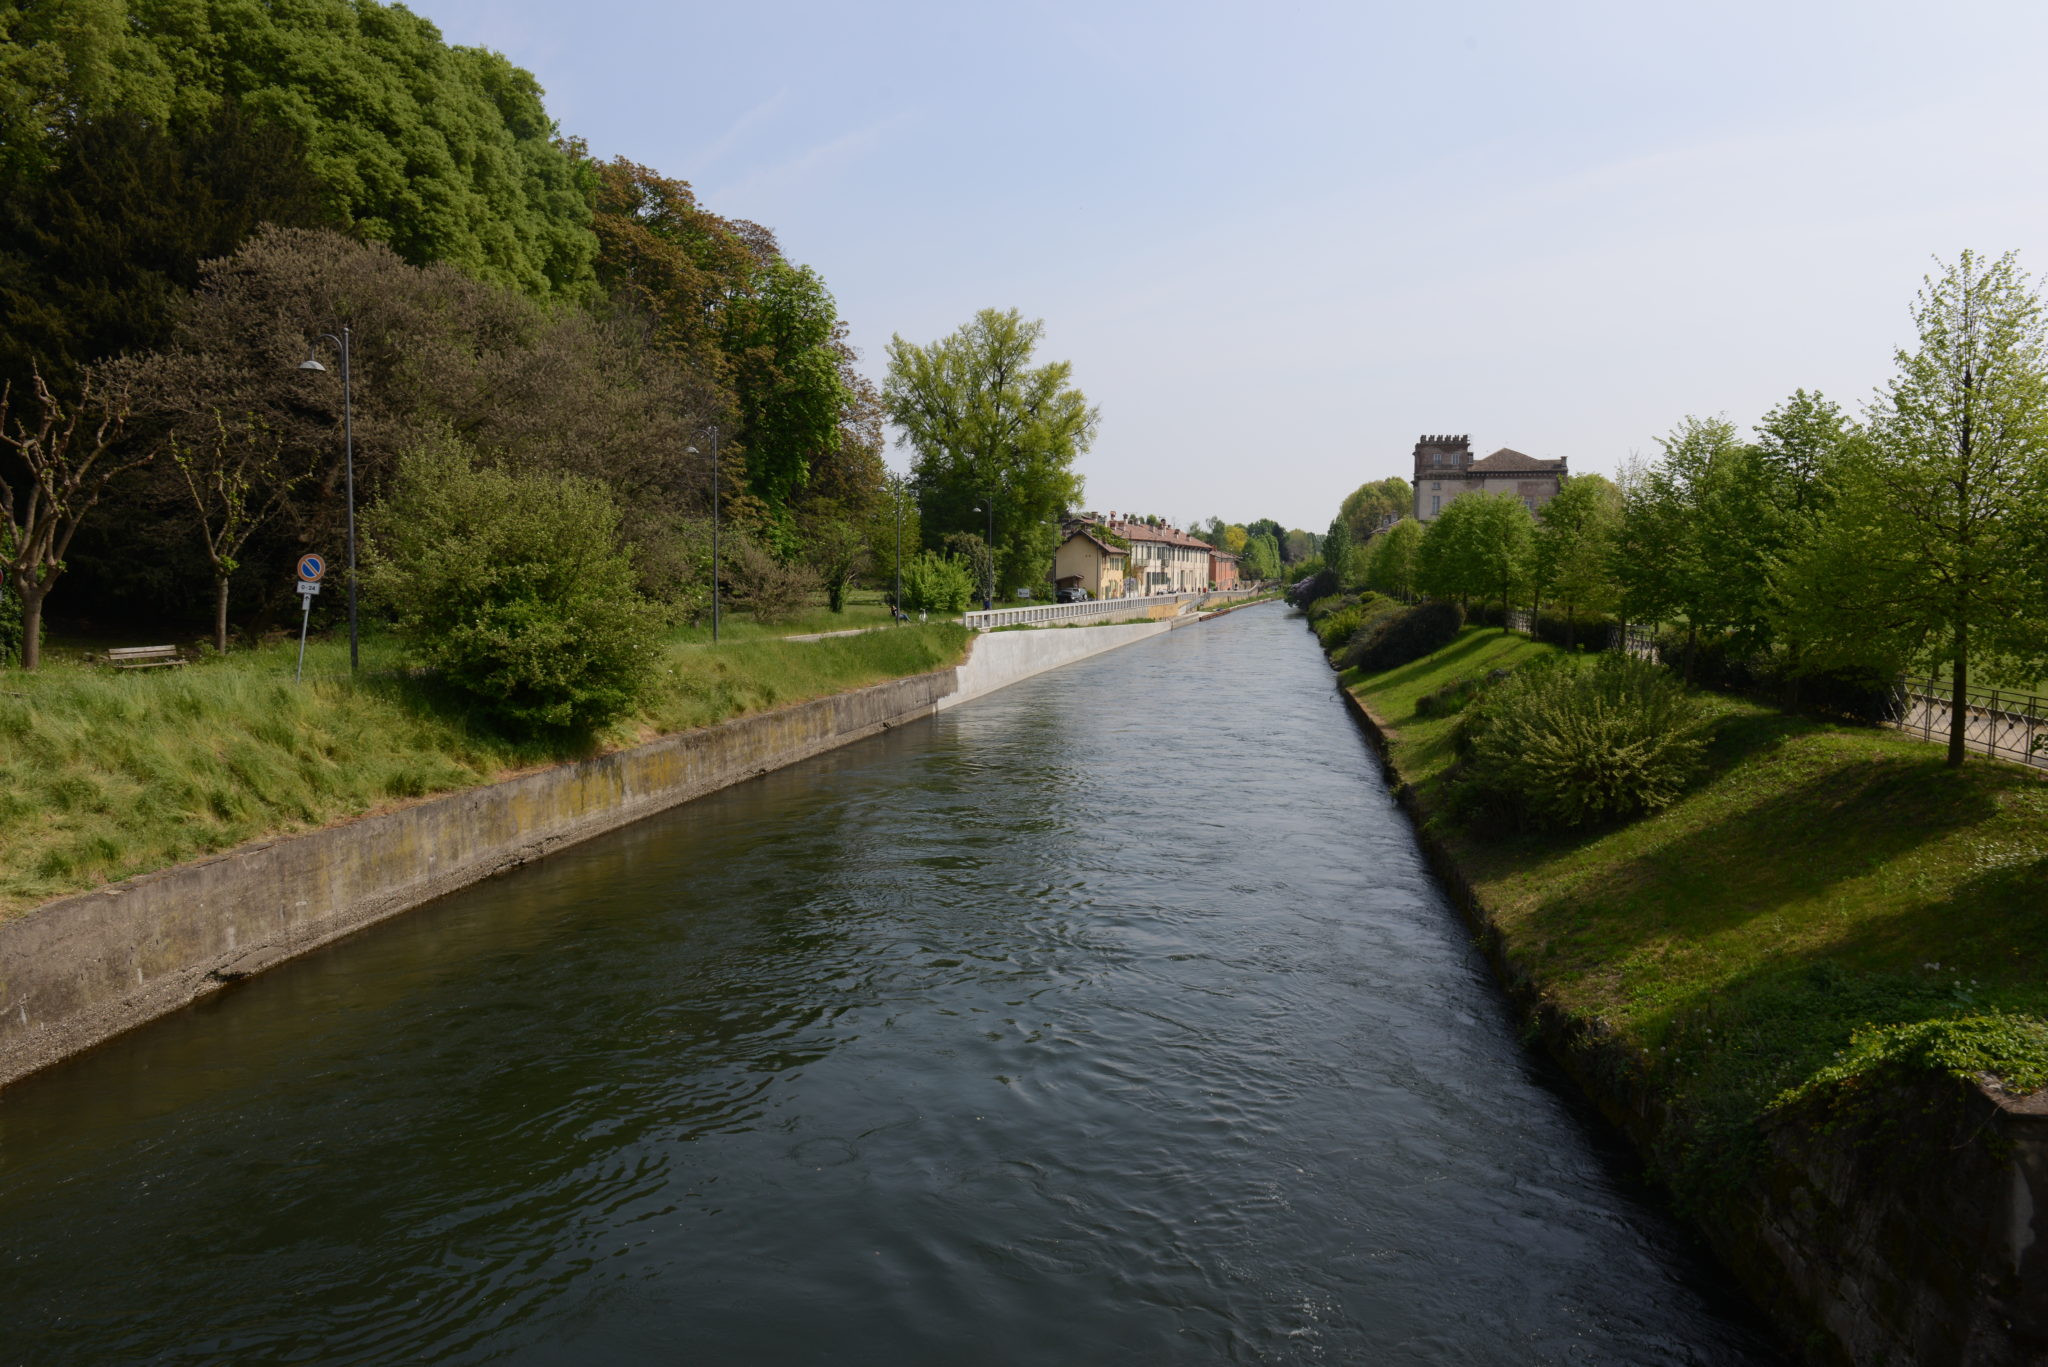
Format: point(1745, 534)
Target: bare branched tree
point(68, 454)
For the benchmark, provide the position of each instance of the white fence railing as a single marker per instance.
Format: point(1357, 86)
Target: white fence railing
point(1095, 609)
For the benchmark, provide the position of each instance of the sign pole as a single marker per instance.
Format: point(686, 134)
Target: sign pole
point(311, 567)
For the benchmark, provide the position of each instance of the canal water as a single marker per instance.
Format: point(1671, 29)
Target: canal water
point(1112, 1018)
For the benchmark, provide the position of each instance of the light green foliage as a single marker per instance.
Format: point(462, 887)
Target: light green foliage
point(1369, 505)
point(985, 423)
point(936, 583)
point(1688, 545)
point(1480, 546)
point(1261, 558)
point(1393, 559)
point(513, 590)
point(1574, 544)
point(444, 152)
point(1338, 554)
point(1952, 488)
point(2013, 1049)
point(1570, 745)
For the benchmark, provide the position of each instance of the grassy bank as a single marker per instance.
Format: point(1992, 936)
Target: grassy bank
point(1819, 878)
point(104, 775)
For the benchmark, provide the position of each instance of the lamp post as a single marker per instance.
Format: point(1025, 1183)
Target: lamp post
point(714, 529)
point(348, 449)
point(896, 608)
point(988, 588)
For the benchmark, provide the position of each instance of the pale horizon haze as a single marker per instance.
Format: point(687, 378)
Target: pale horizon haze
point(1280, 243)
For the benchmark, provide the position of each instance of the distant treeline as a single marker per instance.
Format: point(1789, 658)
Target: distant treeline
point(1915, 538)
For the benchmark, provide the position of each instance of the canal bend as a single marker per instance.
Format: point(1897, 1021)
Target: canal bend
point(1111, 1018)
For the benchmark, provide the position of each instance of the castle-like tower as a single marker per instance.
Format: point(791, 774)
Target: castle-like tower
point(1444, 469)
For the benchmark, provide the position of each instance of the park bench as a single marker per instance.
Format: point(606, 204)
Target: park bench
point(143, 657)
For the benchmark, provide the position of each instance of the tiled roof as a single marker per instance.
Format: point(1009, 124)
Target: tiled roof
point(1139, 531)
point(1509, 459)
point(1084, 533)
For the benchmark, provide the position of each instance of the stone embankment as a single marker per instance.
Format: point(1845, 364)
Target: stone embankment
point(82, 969)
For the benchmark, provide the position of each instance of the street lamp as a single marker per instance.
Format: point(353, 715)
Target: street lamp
point(714, 529)
point(348, 448)
point(896, 608)
point(988, 588)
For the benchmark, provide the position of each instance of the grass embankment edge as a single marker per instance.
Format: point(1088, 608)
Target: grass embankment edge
point(1829, 919)
point(106, 775)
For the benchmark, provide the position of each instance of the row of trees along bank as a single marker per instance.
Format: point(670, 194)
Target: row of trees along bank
point(1822, 547)
point(189, 199)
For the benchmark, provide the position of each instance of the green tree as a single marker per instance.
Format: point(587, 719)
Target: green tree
point(1262, 558)
point(983, 422)
point(1393, 559)
point(1449, 561)
point(446, 153)
point(1337, 552)
point(1573, 548)
point(1503, 539)
point(1931, 550)
point(1371, 504)
point(96, 256)
point(786, 379)
point(513, 589)
point(936, 583)
point(835, 547)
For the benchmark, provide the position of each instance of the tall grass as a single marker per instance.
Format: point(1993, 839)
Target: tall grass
point(104, 775)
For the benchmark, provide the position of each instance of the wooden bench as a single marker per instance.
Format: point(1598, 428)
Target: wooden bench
point(143, 657)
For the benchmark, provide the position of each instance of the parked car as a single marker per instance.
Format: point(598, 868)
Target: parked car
point(1073, 595)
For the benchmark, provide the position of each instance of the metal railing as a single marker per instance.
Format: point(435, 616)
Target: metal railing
point(1522, 620)
point(1094, 609)
point(1996, 721)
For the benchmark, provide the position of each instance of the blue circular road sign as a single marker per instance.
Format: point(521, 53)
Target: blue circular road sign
point(311, 567)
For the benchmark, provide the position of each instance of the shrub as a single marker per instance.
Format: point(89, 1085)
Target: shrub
point(1719, 663)
point(513, 589)
point(771, 589)
point(1320, 584)
point(936, 583)
point(1322, 607)
point(1560, 743)
point(1395, 636)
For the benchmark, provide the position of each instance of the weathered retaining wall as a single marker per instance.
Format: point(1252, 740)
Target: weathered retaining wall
point(1909, 1238)
point(82, 969)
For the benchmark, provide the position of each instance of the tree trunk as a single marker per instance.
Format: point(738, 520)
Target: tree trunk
point(1959, 706)
point(220, 613)
point(32, 625)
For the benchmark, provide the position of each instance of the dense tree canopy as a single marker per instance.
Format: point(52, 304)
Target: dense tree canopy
point(446, 153)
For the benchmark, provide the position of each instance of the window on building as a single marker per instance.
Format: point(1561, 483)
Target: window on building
point(1436, 502)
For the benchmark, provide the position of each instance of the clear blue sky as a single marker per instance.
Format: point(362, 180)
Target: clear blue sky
point(1278, 242)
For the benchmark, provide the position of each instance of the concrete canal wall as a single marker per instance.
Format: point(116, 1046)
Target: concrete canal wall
point(80, 970)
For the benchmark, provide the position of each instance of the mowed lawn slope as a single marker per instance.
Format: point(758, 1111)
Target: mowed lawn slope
point(107, 774)
point(1820, 877)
